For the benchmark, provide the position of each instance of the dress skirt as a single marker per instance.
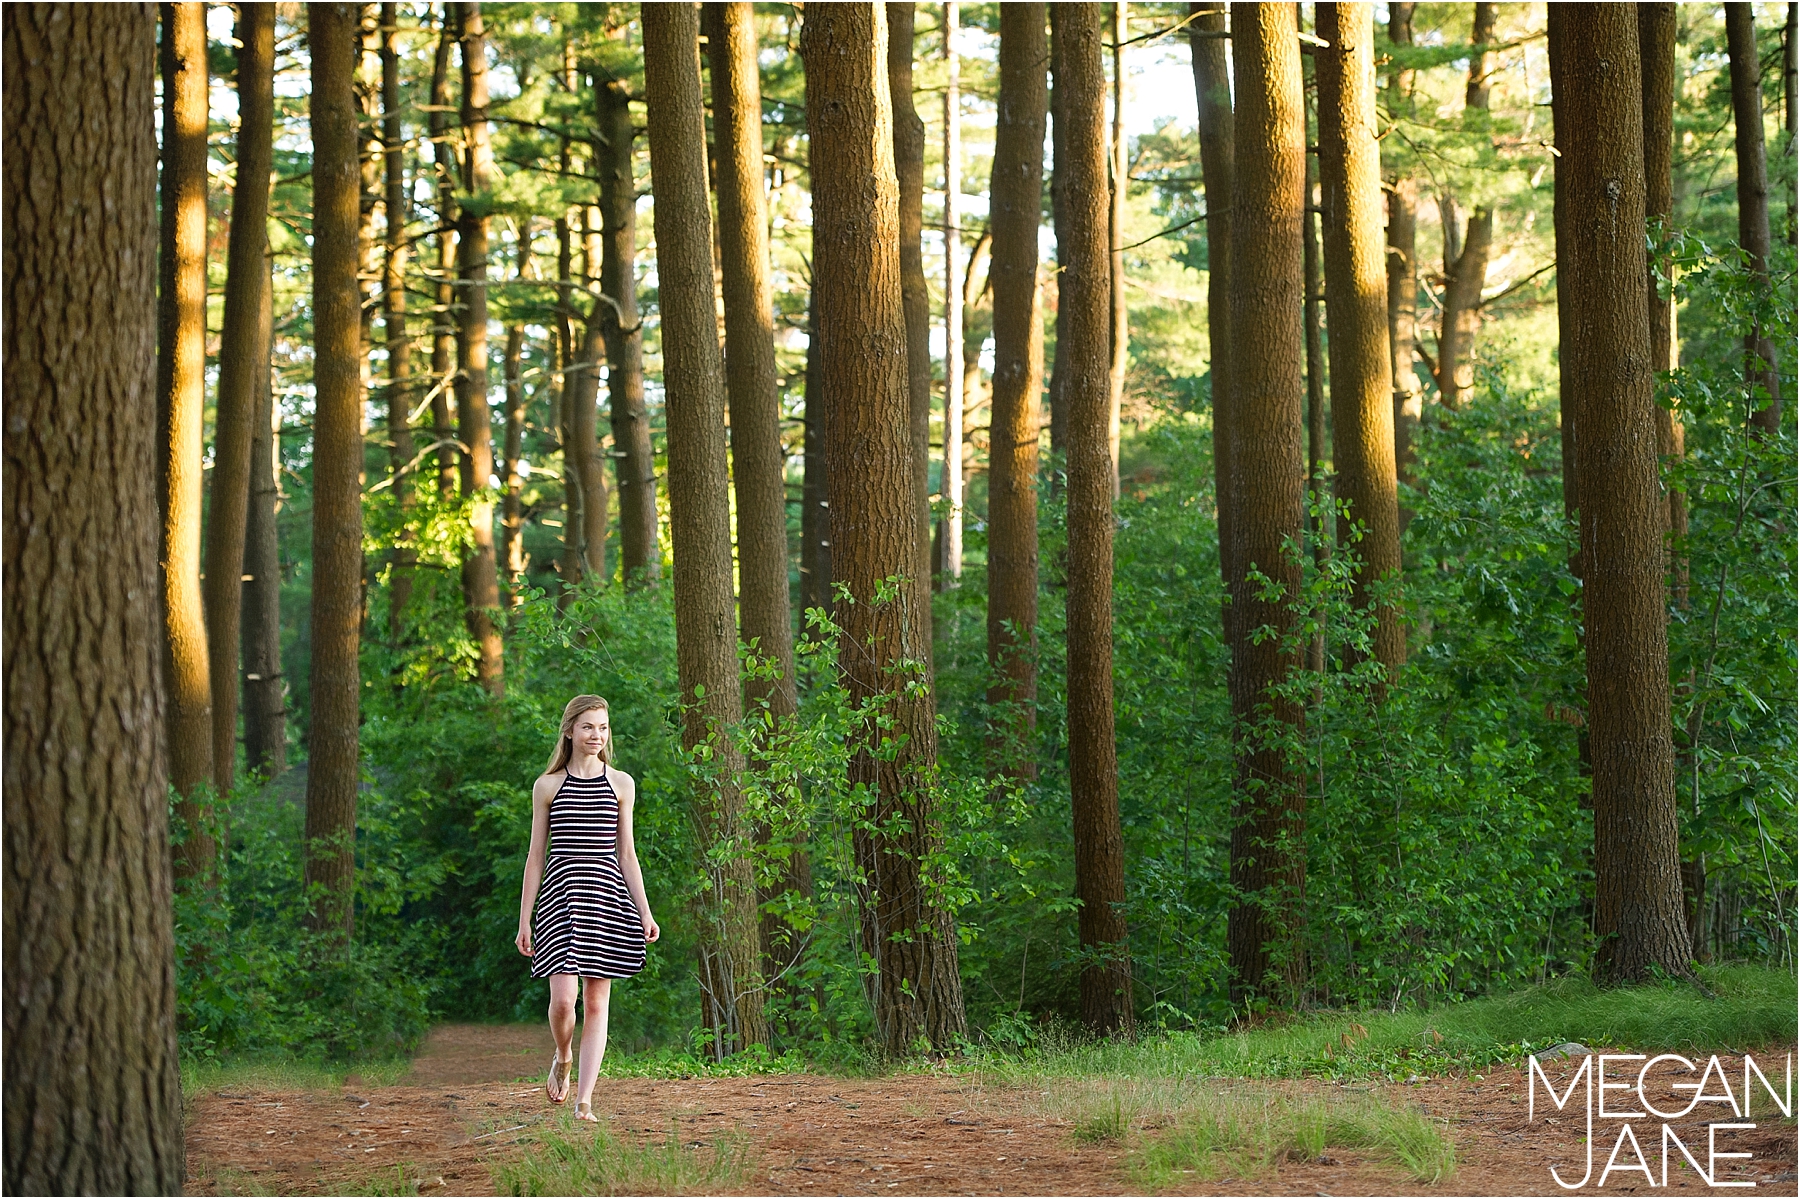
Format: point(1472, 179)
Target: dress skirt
point(585, 922)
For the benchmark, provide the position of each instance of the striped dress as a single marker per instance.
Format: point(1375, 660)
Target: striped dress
point(585, 922)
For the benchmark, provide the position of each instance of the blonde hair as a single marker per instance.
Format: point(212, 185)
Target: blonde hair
point(565, 737)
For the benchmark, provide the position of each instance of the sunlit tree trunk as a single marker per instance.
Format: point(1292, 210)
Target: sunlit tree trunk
point(1016, 197)
point(860, 331)
point(1059, 410)
point(699, 520)
point(400, 397)
point(1087, 328)
point(481, 582)
point(909, 169)
point(332, 762)
point(1638, 916)
point(243, 370)
point(1115, 231)
point(443, 317)
point(1212, 89)
point(1760, 375)
point(1362, 387)
point(181, 417)
point(950, 569)
point(640, 560)
point(1466, 251)
point(1268, 824)
point(92, 1091)
point(1403, 266)
point(265, 687)
point(581, 397)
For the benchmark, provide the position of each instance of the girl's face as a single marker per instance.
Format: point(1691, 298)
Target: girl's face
point(590, 732)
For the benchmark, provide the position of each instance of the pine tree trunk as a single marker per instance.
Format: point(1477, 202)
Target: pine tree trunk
point(480, 573)
point(1465, 266)
point(1212, 90)
point(915, 297)
point(860, 329)
point(1362, 386)
point(1638, 917)
point(581, 386)
point(570, 364)
point(332, 760)
point(243, 364)
point(1656, 52)
point(640, 560)
point(699, 519)
point(1311, 327)
point(1115, 232)
point(1760, 375)
point(1267, 859)
point(815, 492)
point(443, 318)
point(400, 397)
point(949, 569)
point(265, 687)
point(1015, 201)
point(1086, 301)
point(512, 512)
point(1403, 269)
point(1059, 154)
point(92, 1099)
point(181, 415)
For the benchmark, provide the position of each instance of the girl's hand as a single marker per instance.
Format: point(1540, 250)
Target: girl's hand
point(523, 940)
point(651, 931)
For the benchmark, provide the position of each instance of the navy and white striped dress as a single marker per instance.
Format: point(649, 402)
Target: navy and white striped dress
point(585, 922)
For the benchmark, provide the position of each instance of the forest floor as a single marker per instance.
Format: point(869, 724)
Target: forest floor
point(470, 1114)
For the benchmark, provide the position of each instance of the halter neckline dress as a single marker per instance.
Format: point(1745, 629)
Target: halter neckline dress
point(585, 922)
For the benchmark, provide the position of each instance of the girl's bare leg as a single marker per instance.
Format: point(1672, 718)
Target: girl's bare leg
point(593, 1036)
point(562, 1013)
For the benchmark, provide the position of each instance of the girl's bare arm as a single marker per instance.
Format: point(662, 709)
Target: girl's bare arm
point(541, 795)
point(626, 789)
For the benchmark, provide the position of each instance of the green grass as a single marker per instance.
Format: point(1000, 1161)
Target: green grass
point(285, 1074)
point(568, 1158)
point(1749, 1007)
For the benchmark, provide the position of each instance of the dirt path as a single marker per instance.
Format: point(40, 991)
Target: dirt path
point(475, 1093)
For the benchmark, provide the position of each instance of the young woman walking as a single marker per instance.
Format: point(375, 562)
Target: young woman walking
point(591, 918)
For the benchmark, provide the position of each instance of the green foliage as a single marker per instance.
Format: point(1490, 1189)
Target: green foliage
point(569, 1158)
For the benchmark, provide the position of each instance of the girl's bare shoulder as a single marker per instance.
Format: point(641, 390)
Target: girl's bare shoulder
point(546, 786)
point(623, 783)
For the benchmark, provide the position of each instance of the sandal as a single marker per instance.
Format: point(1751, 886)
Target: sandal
point(557, 1088)
point(585, 1111)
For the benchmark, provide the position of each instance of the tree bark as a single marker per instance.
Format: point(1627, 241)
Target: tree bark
point(815, 491)
point(1115, 230)
point(1313, 274)
point(393, 311)
point(443, 317)
point(1267, 856)
point(480, 574)
point(92, 1077)
point(915, 297)
point(243, 363)
point(950, 569)
point(1656, 53)
point(1403, 268)
point(512, 512)
point(1059, 154)
point(1638, 915)
point(1212, 89)
point(699, 520)
point(265, 687)
point(640, 560)
point(1753, 206)
point(1016, 199)
point(332, 760)
point(1362, 386)
point(860, 329)
point(581, 387)
point(181, 417)
point(1086, 301)
point(1466, 257)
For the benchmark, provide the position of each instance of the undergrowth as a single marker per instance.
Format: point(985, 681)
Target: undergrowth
point(567, 1158)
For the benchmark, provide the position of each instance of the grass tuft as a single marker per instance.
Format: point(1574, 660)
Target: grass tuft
point(572, 1159)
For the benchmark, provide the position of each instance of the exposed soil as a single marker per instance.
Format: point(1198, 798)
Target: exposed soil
point(475, 1093)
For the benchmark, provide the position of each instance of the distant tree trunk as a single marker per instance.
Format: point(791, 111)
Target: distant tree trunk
point(443, 317)
point(950, 569)
point(1059, 410)
point(700, 521)
point(1115, 232)
point(1310, 309)
point(92, 1076)
point(1481, 55)
point(915, 297)
point(1362, 413)
point(393, 309)
point(1016, 198)
point(1638, 917)
point(1267, 856)
point(860, 332)
point(1466, 253)
point(1086, 301)
point(1403, 268)
point(1753, 206)
point(480, 574)
point(332, 763)
point(181, 415)
point(815, 511)
point(1656, 51)
point(512, 512)
point(1790, 98)
point(265, 686)
point(1212, 88)
point(572, 565)
point(640, 560)
point(243, 365)
point(581, 387)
